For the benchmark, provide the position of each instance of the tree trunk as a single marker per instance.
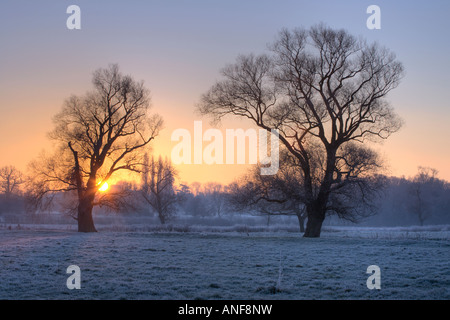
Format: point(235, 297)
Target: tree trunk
point(316, 216)
point(85, 220)
point(161, 218)
point(313, 227)
point(317, 208)
point(301, 222)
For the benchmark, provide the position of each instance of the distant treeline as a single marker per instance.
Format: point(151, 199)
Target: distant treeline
point(420, 200)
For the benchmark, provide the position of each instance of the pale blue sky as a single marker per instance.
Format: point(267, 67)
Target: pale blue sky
point(178, 48)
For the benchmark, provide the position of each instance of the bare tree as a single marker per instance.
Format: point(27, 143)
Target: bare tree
point(217, 198)
point(421, 193)
point(195, 187)
point(10, 180)
point(158, 191)
point(322, 89)
point(284, 194)
point(276, 195)
point(98, 135)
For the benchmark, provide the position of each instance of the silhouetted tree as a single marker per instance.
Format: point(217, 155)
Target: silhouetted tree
point(196, 199)
point(284, 194)
point(11, 197)
point(195, 187)
point(324, 91)
point(98, 135)
point(216, 195)
point(423, 193)
point(158, 179)
point(272, 195)
point(10, 180)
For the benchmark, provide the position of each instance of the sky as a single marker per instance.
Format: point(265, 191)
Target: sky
point(179, 47)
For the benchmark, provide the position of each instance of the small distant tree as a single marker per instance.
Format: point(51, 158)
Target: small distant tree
point(277, 195)
point(158, 190)
point(11, 199)
point(198, 206)
point(423, 193)
point(196, 187)
point(10, 180)
point(214, 192)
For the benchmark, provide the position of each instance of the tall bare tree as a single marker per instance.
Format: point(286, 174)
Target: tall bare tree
point(158, 190)
point(323, 89)
point(98, 135)
point(10, 180)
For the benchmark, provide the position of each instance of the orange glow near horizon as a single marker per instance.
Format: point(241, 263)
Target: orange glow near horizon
point(400, 151)
point(177, 70)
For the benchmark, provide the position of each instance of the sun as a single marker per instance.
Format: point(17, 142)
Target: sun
point(104, 187)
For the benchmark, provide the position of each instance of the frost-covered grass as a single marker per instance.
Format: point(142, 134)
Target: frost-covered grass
point(233, 264)
point(413, 232)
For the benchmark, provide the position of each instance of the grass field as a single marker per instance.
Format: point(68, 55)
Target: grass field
point(227, 265)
